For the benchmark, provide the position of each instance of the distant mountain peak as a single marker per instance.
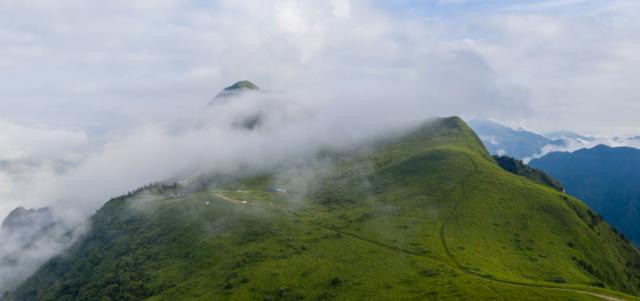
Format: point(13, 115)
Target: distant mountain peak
point(21, 217)
point(236, 89)
point(242, 85)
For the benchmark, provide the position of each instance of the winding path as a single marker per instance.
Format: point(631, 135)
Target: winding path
point(454, 262)
point(459, 267)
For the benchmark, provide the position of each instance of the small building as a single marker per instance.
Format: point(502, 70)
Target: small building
point(277, 190)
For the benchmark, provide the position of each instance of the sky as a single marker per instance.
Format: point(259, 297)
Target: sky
point(540, 64)
point(81, 79)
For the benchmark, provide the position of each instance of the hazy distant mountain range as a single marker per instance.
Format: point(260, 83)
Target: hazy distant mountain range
point(517, 143)
point(523, 144)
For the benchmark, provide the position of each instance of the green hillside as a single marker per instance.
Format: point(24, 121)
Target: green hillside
point(426, 216)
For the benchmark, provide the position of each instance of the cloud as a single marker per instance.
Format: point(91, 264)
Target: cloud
point(290, 126)
point(29, 154)
point(24, 143)
point(120, 63)
point(575, 65)
point(553, 63)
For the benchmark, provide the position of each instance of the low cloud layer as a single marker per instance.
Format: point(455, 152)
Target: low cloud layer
point(290, 128)
point(214, 140)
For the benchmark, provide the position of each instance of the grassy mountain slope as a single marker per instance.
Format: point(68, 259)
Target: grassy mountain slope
point(428, 215)
point(604, 177)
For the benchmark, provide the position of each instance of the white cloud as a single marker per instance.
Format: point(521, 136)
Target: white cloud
point(122, 62)
point(26, 143)
point(341, 8)
point(577, 70)
point(29, 155)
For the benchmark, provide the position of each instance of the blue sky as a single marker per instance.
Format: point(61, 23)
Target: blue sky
point(461, 8)
point(443, 8)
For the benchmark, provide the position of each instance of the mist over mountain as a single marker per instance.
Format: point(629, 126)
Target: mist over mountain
point(354, 171)
point(247, 133)
point(30, 237)
point(428, 205)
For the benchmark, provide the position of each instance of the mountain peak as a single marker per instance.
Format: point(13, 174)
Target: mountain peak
point(242, 85)
point(236, 89)
point(21, 217)
point(450, 131)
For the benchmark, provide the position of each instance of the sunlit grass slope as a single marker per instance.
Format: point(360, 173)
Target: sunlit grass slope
point(425, 216)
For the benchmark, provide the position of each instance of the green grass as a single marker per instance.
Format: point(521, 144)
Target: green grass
point(425, 216)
